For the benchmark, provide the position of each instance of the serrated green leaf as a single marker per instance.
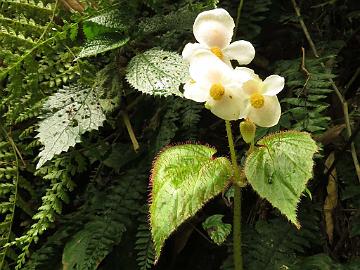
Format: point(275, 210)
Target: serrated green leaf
point(72, 111)
point(184, 178)
point(157, 72)
point(110, 19)
point(103, 43)
point(279, 169)
point(217, 230)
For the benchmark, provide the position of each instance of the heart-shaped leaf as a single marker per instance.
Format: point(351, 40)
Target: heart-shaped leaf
point(183, 179)
point(280, 168)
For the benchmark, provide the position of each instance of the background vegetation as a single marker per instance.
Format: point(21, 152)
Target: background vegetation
point(77, 141)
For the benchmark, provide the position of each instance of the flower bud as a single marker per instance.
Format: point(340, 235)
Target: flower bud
point(247, 130)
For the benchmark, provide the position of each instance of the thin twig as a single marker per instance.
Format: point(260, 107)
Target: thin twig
point(238, 14)
point(303, 68)
point(346, 145)
point(51, 21)
point(337, 91)
point(130, 130)
point(201, 234)
point(352, 80)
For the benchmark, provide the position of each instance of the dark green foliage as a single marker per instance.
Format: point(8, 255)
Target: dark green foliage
point(309, 87)
point(85, 208)
point(254, 13)
point(143, 244)
point(277, 244)
point(8, 196)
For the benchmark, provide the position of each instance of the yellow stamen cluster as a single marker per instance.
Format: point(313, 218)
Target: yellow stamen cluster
point(217, 51)
point(217, 91)
point(257, 100)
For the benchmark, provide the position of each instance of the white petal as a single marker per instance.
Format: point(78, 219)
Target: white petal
point(230, 106)
point(243, 74)
point(207, 68)
point(242, 51)
point(226, 60)
point(273, 85)
point(214, 28)
point(191, 49)
point(268, 115)
point(194, 91)
point(245, 110)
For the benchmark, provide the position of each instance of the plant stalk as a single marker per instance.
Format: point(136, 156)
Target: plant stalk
point(130, 130)
point(238, 260)
point(238, 14)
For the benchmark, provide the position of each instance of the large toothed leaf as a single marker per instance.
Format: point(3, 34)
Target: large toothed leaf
point(280, 168)
point(157, 72)
point(71, 112)
point(103, 43)
point(184, 178)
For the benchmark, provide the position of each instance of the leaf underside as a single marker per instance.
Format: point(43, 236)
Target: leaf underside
point(184, 178)
point(103, 43)
point(280, 168)
point(72, 111)
point(157, 72)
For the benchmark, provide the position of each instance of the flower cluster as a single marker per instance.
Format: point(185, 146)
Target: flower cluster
point(229, 93)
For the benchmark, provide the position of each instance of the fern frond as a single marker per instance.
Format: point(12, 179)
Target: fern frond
point(308, 104)
point(254, 12)
point(90, 246)
point(14, 40)
point(277, 243)
point(181, 19)
point(8, 195)
point(29, 7)
point(144, 245)
point(116, 206)
point(22, 25)
point(51, 204)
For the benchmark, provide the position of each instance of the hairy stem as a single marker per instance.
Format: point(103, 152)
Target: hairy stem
point(238, 261)
point(336, 89)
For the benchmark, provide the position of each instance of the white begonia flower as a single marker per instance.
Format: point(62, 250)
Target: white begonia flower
point(213, 82)
point(213, 30)
point(261, 104)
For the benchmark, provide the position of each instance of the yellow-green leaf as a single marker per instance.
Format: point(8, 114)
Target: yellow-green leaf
point(184, 178)
point(279, 169)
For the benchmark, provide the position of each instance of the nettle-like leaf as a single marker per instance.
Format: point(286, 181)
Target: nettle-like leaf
point(110, 19)
point(157, 72)
point(71, 112)
point(216, 228)
point(103, 43)
point(279, 169)
point(184, 178)
point(105, 32)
